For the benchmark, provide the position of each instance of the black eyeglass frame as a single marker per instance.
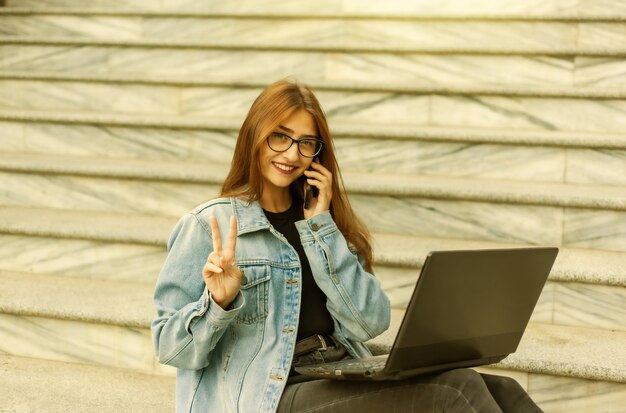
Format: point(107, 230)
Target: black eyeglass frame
point(319, 142)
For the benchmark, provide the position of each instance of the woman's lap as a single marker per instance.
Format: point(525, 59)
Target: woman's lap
point(460, 390)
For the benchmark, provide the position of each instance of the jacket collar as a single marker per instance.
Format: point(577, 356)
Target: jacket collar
point(250, 216)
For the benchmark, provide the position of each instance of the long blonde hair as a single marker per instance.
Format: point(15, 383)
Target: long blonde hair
point(278, 101)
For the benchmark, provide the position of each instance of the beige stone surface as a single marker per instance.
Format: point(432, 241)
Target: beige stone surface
point(30, 385)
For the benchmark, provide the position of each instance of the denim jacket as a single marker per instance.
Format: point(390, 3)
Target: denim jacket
point(238, 360)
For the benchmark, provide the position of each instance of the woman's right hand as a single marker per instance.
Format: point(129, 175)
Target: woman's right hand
point(221, 275)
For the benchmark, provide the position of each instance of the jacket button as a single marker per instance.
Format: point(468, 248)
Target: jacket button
point(316, 227)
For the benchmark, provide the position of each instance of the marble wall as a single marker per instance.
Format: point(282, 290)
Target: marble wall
point(359, 154)
point(564, 395)
point(81, 342)
point(385, 35)
point(584, 228)
point(397, 7)
point(76, 258)
point(539, 225)
point(88, 97)
point(437, 69)
point(362, 107)
point(103, 194)
point(556, 394)
point(480, 220)
point(118, 142)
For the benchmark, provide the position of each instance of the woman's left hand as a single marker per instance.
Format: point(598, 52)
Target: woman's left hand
point(322, 179)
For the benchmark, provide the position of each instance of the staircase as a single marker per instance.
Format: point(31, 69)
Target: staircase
point(458, 124)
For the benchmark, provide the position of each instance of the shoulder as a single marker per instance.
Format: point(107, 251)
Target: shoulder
point(218, 207)
point(194, 226)
point(214, 206)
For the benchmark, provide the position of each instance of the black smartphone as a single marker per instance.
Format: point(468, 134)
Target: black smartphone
point(309, 192)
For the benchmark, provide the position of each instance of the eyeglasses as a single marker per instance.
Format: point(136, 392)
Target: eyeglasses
point(308, 147)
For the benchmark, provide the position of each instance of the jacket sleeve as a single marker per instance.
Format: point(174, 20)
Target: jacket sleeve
point(189, 323)
point(355, 298)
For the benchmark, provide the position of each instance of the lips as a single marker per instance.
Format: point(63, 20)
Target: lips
point(284, 169)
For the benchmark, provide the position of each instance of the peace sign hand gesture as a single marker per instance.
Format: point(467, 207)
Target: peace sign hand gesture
point(221, 275)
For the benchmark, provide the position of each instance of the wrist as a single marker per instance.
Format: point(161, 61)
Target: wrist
point(226, 303)
point(223, 303)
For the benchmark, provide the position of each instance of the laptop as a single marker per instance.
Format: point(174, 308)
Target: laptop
point(468, 308)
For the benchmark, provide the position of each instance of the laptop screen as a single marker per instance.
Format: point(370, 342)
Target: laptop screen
point(470, 305)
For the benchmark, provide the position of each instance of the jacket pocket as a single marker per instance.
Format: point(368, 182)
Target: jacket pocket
point(255, 289)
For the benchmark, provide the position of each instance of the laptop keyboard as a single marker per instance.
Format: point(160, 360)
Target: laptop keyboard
point(369, 364)
point(374, 364)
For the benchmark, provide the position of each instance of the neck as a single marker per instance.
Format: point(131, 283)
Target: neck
point(276, 202)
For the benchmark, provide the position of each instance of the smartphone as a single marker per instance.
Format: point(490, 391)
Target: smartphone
point(310, 191)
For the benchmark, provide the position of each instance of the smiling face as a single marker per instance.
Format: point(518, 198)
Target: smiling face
point(280, 169)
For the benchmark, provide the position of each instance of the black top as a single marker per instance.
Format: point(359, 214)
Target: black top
point(314, 316)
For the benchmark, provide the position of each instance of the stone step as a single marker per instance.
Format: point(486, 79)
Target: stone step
point(53, 300)
point(432, 69)
point(511, 155)
point(17, 122)
point(441, 67)
point(591, 300)
point(396, 185)
point(611, 10)
point(549, 138)
point(587, 216)
point(572, 296)
point(592, 110)
point(77, 320)
point(404, 253)
point(536, 37)
point(93, 231)
point(586, 288)
point(81, 300)
point(602, 47)
point(418, 87)
point(35, 385)
point(54, 251)
point(32, 385)
point(465, 70)
point(84, 230)
point(584, 357)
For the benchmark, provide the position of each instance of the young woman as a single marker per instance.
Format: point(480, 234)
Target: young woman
point(277, 272)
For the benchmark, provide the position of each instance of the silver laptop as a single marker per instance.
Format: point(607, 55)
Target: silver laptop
point(468, 308)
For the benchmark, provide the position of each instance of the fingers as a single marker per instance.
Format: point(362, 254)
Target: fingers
point(318, 167)
point(232, 236)
point(229, 267)
point(217, 264)
point(215, 234)
point(218, 251)
point(317, 179)
point(321, 178)
point(210, 267)
point(214, 259)
point(320, 173)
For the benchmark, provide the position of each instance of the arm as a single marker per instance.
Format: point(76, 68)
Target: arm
point(355, 298)
point(189, 322)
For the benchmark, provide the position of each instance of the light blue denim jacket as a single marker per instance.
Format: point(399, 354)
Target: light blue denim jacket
point(239, 360)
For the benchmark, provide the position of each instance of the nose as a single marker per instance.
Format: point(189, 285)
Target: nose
point(292, 153)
